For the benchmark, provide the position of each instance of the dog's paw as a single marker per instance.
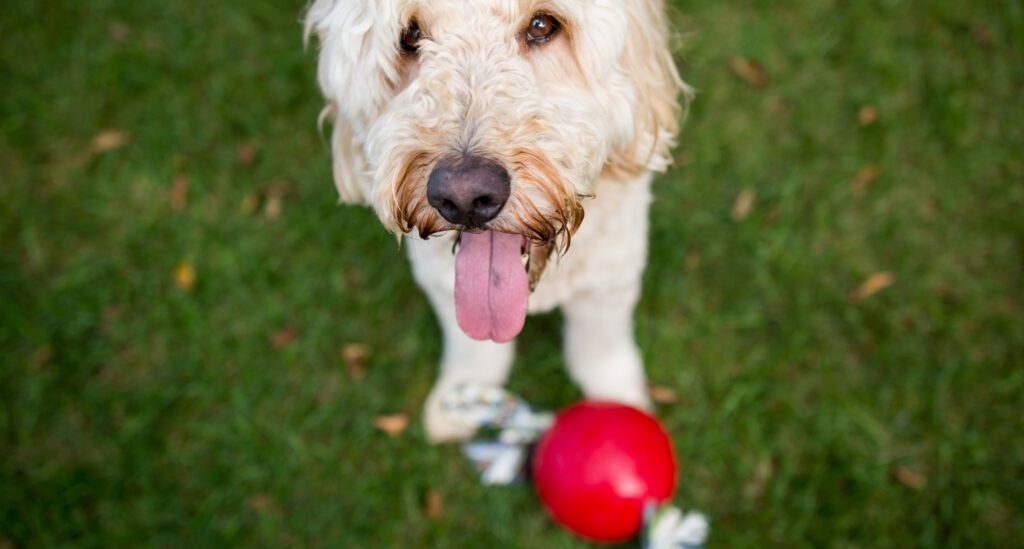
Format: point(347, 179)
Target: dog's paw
point(441, 425)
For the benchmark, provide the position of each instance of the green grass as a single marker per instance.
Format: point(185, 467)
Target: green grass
point(133, 413)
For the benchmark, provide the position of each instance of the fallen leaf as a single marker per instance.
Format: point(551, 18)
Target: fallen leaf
point(692, 261)
point(179, 193)
point(867, 115)
point(392, 424)
point(283, 337)
point(355, 355)
point(250, 204)
point(246, 154)
point(41, 357)
point(872, 285)
point(982, 36)
point(749, 70)
point(662, 395)
point(108, 140)
point(865, 176)
point(185, 276)
point(434, 505)
point(259, 502)
point(681, 159)
point(118, 31)
point(272, 207)
point(743, 205)
point(909, 477)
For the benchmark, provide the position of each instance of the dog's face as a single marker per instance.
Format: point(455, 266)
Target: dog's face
point(493, 114)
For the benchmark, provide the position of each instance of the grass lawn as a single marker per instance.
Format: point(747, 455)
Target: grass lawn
point(836, 289)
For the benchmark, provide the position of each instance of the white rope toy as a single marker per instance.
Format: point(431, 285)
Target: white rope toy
point(669, 528)
point(504, 460)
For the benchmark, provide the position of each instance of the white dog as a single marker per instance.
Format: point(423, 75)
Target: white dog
point(516, 138)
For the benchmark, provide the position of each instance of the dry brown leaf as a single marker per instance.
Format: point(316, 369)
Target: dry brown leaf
point(867, 115)
point(185, 276)
point(692, 261)
point(865, 176)
point(749, 70)
point(682, 158)
point(250, 204)
point(662, 395)
point(433, 505)
point(246, 154)
point(392, 424)
point(109, 140)
point(909, 477)
point(179, 193)
point(118, 31)
point(982, 36)
point(283, 337)
point(272, 204)
point(259, 502)
point(272, 207)
point(355, 355)
point(872, 285)
point(743, 205)
point(41, 357)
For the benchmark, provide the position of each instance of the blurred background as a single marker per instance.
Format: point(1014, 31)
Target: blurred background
point(199, 347)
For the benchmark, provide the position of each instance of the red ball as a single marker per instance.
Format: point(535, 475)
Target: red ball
point(597, 466)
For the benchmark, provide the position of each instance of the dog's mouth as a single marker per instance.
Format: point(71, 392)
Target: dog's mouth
point(494, 275)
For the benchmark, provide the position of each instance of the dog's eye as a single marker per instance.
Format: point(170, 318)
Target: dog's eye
point(411, 38)
point(543, 28)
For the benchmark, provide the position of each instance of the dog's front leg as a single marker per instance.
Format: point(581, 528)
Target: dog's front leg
point(463, 360)
point(600, 349)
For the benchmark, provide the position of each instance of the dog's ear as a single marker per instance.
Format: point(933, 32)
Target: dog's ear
point(661, 95)
point(348, 165)
point(357, 72)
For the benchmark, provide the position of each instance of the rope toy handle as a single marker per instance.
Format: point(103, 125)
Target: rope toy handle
point(666, 527)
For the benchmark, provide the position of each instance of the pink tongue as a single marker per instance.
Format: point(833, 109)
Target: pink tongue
point(491, 287)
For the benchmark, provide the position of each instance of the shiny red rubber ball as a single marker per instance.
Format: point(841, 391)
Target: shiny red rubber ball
point(598, 464)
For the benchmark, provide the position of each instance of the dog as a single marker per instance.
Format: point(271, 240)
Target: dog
point(511, 143)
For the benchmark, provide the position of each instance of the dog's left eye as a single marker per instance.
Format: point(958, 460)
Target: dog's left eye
point(411, 38)
point(543, 28)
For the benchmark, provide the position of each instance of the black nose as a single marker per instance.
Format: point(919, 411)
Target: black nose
point(469, 190)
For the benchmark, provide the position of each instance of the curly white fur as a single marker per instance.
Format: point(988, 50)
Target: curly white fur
point(578, 122)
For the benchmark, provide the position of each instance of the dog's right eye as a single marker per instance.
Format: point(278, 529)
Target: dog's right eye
point(542, 29)
point(411, 38)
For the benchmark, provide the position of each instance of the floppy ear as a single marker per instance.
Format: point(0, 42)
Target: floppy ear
point(351, 176)
point(357, 73)
point(647, 59)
